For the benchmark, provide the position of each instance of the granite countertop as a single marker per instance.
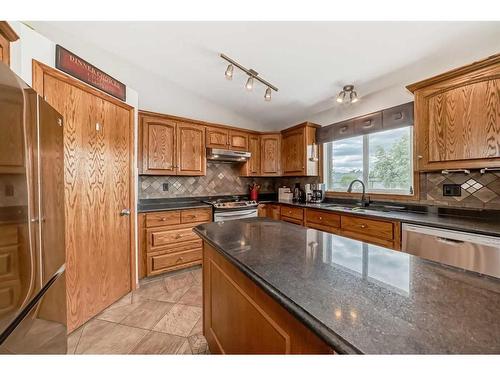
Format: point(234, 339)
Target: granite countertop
point(152, 205)
point(362, 298)
point(487, 225)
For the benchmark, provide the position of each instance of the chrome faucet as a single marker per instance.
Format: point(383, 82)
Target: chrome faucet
point(364, 202)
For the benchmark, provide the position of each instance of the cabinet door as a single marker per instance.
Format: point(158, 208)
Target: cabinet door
point(238, 140)
point(217, 137)
point(4, 50)
point(294, 152)
point(11, 137)
point(464, 122)
point(270, 155)
point(252, 166)
point(158, 146)
point(191, 154)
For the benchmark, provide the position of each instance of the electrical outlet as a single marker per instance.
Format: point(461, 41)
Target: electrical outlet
point(452, 190)
point(165, 186)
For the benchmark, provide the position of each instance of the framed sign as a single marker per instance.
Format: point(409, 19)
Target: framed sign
point(70, 63)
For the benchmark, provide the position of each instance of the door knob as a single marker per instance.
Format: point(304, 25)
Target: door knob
point(125, 212)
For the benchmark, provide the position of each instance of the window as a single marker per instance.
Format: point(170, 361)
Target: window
point(383, 161)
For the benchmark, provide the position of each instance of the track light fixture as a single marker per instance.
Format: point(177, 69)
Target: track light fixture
point(252, 75)
point(347, 95)
point(229, 72)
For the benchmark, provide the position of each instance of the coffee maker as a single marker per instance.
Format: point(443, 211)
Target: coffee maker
point(315, 193)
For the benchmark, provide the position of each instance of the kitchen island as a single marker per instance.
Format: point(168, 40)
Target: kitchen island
point(342, 294)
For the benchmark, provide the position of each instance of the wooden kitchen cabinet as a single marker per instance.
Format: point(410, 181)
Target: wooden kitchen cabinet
point(167, 241)
point(171, 147)
point(240, 318)
point(7, 35)
point(456, 117)
point(252, 166)
point(322, 220)
point(217, 137)
point(226, 138)
point(270, 156)
point(298, 144)
point(191, 154)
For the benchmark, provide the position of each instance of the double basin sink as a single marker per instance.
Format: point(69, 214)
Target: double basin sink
point(356, 208)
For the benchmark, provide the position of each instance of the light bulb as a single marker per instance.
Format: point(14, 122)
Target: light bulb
point(267, 95)
point(249, 84)
point(229, 71)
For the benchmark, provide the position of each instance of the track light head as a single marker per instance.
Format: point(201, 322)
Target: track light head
point(267, 95)
point(249, 84)
point(229, 72)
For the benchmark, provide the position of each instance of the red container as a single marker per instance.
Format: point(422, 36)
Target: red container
point(254, 195)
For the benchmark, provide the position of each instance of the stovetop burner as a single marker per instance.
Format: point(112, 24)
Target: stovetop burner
point(231, 203)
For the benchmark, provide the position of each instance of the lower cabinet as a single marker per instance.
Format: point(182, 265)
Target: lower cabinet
point(167, 241)
point(383, 232)
point(270, 210)
point(240, 318)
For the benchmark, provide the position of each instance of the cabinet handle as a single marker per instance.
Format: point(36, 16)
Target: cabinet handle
point(420, 157)
point(321, 218)
point(180, 259)
point(177, 236)
point(363, 226)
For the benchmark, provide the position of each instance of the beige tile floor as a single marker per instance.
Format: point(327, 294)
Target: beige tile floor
point(163, 316)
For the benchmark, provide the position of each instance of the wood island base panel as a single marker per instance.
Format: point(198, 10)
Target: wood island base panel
point(240, 318)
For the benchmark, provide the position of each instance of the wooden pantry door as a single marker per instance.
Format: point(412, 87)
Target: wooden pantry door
point(97, 173)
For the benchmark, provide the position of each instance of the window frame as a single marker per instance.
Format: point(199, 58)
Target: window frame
point(383, 195)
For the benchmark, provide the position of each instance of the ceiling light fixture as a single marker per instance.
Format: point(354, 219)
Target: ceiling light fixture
point(347, 95)
point(229, 72)
point(252, 74)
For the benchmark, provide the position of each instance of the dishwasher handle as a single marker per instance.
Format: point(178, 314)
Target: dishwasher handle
point(449, 241)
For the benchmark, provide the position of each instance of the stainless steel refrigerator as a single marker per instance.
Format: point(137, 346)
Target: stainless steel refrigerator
point(32, 250)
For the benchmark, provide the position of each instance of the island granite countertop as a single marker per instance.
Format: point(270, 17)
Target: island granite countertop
point(362, 298)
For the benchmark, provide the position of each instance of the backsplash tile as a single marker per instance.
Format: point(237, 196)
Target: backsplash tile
point(221, 179)
point(478, 190)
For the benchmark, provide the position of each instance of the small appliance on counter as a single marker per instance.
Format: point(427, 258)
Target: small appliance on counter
point(299, 195)
point(254, 192)
point(285, 194)
point(315, 193)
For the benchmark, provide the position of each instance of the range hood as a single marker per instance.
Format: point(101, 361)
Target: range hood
point(227, 156)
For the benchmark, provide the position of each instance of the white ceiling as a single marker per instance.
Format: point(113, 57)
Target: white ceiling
point(308, 61)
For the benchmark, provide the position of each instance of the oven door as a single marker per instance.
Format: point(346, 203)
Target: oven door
point(235, 215)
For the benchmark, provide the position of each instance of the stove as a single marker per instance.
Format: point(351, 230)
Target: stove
point(233, 209)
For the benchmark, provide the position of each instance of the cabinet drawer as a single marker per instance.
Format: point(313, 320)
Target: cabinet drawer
point(8, 262)
point(196, 215)
point(172, 236)
point(163, 262)
point(323, 218)
point(375, 228)
point(323, 228)
point(159, 219)
point(293, 212)
point(292, 220)
point(8, 235)
point(176, 247)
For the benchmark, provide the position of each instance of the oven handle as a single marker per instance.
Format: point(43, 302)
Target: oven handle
point(235, 213)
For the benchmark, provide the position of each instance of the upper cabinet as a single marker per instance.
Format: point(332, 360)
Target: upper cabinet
point(226, 138)
point(457, 117)
point(170, 147)
point(299, 151)
point(158, 146)
point(7, 35)
point(191, 154)
point(270, 154)
point(252, 166)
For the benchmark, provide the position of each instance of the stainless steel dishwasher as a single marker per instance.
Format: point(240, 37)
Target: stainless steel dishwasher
point(474, 252)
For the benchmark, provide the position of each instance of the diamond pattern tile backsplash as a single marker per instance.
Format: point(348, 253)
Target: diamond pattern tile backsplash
point(221, 179)
point(477, 190)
